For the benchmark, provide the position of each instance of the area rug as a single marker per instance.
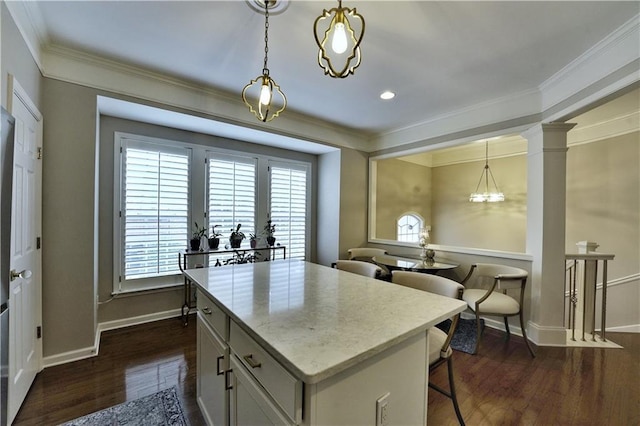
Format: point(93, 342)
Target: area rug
point(160, 409)
point(464, 339)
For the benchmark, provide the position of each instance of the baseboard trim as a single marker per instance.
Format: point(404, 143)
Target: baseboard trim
point(547, 336)
point(633, 328)
point(92, 351)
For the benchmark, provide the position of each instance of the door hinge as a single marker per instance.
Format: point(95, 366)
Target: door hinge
point(38, 243)
point(39, 153)
point(39, 332)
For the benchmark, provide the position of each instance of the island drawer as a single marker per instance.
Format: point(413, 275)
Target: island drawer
point(284, 388)
point(213, 315)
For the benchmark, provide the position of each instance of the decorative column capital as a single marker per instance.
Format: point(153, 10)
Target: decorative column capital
point(548, 137)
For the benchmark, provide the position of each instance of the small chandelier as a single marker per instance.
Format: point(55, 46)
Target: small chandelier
point(269, 101)
point(344, 56)
point(486, 196)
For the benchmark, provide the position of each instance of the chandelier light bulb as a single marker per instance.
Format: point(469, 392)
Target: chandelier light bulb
point(339, 42)
point(265, 94)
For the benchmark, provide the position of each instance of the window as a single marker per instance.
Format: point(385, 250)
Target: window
point(232, 193)
point(153, 204)
point(409, 226)
point(162, 187)
point(289, 205)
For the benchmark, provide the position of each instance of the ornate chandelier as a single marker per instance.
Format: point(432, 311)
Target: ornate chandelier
point(268, 101)
point(486, 196)
point(333, 27)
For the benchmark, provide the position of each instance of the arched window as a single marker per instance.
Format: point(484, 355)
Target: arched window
point(409, 226)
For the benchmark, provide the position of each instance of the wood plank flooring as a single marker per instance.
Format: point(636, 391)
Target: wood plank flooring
point(133, 362)
point(502, 385)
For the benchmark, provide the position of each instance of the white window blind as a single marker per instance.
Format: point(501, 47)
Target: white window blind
point(289, 206)
point(232, 195)
point(154, 212)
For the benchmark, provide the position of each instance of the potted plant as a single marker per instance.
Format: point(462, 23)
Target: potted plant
point(236, 237)
point(196, 238)
point(214, 240)
point(253, 240)
point(269, 229)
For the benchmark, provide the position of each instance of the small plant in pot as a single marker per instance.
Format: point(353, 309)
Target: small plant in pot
point(214, 238)
point(269, 229)
point(236, 237)
point(253, 240)
point(196, 238)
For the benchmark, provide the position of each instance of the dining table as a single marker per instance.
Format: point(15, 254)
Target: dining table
point(429, 266)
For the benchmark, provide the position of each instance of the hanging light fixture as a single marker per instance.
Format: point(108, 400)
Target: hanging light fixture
point(268, 100)
point(486, 196)
point(333, 28)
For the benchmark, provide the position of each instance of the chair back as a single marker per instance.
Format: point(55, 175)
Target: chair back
point(428, 282)
point(365, 253)
point(437, 285)
point(357, 267)
point(505, 277)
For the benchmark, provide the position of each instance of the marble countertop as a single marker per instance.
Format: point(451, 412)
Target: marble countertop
point(316, 320)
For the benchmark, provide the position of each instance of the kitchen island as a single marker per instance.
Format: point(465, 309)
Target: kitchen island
point(292, 342)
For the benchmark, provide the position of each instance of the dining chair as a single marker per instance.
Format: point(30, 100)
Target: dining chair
point(366, 254)
point(358, 267)
point(439, 342)
point(495, 301)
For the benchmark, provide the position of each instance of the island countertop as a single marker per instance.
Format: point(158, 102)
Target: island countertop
point(318, 321)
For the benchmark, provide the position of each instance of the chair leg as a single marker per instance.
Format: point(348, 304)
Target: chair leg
point(524, 334)
point(506, 327)
point(452, 388)
point(478, 332)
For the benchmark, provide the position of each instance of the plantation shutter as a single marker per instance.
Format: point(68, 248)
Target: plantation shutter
point(232, 195)
point(155, 213)
point(288, 206)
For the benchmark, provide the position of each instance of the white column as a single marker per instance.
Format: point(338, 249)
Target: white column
point(546, 211)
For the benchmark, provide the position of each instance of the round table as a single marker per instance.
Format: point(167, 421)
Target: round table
point(416, 265)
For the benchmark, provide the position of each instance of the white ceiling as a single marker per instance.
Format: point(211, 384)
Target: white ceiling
point(439, 57)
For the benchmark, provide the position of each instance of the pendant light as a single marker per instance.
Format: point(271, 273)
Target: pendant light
point(268, 101)
point(338, 40)
point(486, 196)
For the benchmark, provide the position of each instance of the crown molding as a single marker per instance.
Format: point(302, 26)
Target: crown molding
point(614, 52)
point(96, 72)
point(30, 23)
point(503, 109)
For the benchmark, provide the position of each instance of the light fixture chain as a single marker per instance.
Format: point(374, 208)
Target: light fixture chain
point(266, 36)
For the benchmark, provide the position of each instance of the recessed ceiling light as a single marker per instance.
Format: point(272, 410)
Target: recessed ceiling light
point(387, 94)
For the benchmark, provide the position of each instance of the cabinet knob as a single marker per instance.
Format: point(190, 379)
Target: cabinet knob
point(206, 310)
point(252, 363)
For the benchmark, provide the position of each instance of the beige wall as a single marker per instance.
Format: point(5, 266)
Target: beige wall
point(401, 188)
point(17, 60)
point(69, 283)
point(354, 189)
point(603, 205)
point(493, 226)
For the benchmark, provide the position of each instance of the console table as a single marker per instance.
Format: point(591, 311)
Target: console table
point(229, 256)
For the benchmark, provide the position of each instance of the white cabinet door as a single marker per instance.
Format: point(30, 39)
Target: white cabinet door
point(249, 404)
point(212, 356)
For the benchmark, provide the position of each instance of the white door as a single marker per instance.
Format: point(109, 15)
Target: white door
point(25, 286)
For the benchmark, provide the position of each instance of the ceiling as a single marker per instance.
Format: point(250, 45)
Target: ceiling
point(438, 57)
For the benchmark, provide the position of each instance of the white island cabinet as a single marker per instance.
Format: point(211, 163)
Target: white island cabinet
point(291, 342)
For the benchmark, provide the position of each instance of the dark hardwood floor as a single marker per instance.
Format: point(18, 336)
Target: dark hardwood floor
point(133, 362)
point(502, 385)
